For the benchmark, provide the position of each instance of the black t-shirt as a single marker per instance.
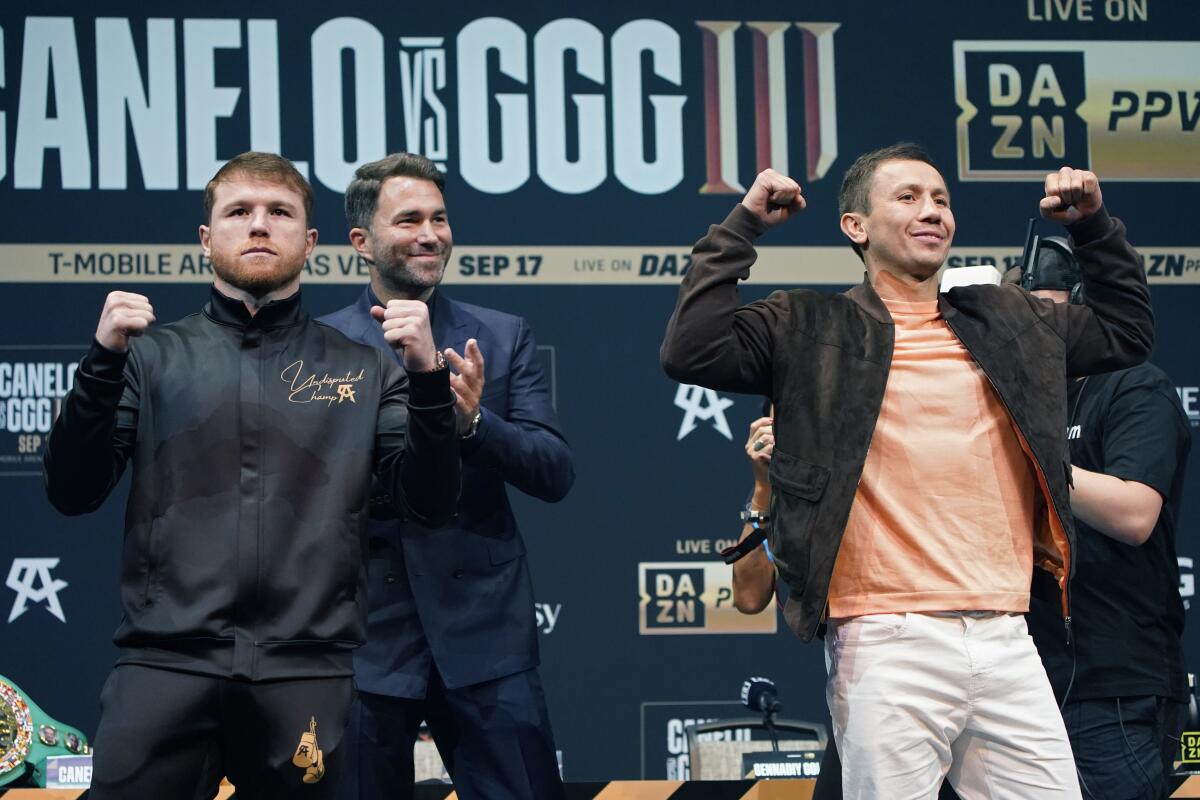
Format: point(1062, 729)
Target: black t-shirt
point(1125, 605)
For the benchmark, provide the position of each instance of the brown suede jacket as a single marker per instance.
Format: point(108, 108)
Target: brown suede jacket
point(824, 360)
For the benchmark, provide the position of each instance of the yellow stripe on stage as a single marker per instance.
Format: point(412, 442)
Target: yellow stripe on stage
point(1190, 788)
point(781, 790)
point(224, 793)
point(639, 790)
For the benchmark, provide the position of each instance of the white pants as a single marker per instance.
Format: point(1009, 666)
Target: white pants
point(918, 697)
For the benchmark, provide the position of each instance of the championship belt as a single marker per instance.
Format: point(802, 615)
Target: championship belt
point(28, 736)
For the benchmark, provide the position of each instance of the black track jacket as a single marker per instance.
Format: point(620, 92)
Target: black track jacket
point(253, 441)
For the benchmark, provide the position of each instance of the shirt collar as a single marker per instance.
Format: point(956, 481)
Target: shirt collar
point(276, 314)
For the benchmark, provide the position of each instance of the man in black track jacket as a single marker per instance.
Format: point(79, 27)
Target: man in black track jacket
point(253, 432)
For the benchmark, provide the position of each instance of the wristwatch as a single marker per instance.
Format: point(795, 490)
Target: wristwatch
point(754, 518)
point(439, 362)
point(474, 426)
point(758, 521)
point(28, 736)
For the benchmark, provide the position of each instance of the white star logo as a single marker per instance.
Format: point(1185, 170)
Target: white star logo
point(699, 403)
point(21, 579)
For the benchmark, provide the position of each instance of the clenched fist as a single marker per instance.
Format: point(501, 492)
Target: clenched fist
point(125, 314)
point(406, 328)
point(1071, 195)
point(773, 197)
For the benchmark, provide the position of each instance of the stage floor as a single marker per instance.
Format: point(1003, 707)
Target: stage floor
point(613, 790)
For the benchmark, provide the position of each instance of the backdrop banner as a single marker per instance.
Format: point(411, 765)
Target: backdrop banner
point(585, 150)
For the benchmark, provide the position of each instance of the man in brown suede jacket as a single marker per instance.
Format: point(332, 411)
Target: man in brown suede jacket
point(918, 473)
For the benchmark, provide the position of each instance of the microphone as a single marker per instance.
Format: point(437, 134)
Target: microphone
point(760, 694)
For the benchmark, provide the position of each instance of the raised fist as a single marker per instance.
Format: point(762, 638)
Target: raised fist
point(125, 314)
point(773, 197)
point(406, 328)
point(1071, 195)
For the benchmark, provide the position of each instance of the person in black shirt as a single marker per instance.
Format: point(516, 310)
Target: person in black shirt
point(252, 432)
point(1122, 685)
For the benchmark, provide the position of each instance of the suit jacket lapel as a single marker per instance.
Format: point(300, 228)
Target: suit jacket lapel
point(365, 329)
point(452, 326)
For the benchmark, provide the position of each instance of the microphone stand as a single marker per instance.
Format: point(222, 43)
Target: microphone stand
point(769, 724)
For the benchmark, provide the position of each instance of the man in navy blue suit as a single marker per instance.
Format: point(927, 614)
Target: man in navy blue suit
point(451, 634)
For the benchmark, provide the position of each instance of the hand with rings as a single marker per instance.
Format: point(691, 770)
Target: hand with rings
point(760, 446)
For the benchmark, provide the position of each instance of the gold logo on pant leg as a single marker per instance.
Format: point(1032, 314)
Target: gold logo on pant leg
point(308, 754)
